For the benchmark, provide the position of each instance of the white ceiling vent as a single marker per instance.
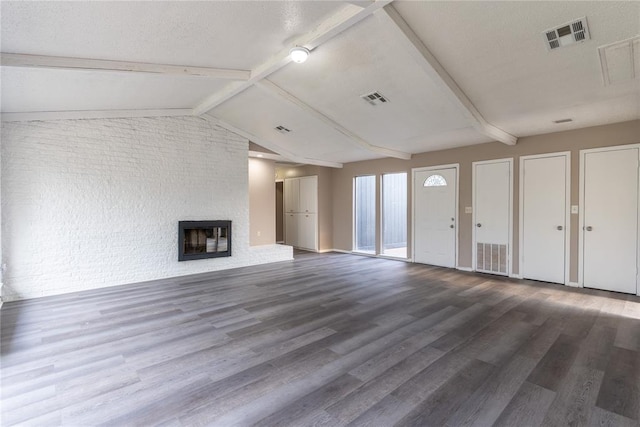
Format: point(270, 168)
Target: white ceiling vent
point(567, 34)
point(282, 129)
point(374, 98)
point(620, 61)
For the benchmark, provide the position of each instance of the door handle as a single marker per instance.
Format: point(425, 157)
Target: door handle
point(478, 225)
point(559, 228)
point(451, 226)
point(588, 228)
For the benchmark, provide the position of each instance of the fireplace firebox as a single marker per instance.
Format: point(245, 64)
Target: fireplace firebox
point(203, 239)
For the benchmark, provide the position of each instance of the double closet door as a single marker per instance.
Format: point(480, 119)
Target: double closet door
point(301, 212)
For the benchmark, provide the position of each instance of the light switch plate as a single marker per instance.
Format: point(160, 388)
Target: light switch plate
point(468, 209)
point(574, 209)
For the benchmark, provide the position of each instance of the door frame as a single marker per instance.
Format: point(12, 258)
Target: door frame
point(583, 153)
point(474, 248)
point(455, 166)
point(567, 212)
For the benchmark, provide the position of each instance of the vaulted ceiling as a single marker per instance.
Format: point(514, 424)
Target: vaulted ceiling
point(454, 73)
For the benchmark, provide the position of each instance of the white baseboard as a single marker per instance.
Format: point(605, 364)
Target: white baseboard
point(515, 276)
point(573, 284)
point(469, 269)
point(335, 250)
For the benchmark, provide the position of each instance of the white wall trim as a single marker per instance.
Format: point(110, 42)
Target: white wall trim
point(455, 166)
point(567, 215)
point(515, 276)
point(574, 285)
point(341, 251)
point(474, 257)
point(468, 269)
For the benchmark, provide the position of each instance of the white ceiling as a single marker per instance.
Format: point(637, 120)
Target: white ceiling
point(453, 71)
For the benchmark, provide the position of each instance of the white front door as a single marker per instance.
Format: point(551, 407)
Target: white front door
point(492, 211)
point(544, 217)
point(610, 231)
point(434, 229)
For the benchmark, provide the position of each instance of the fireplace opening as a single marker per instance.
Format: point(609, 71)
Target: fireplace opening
point(203, 239)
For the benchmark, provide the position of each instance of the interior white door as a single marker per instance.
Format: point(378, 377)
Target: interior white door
point(291, 194)
point(492, 212)
point(610, 232)
point(308, 199)
point(544, 218)
point(291, 229)
point(434, 197)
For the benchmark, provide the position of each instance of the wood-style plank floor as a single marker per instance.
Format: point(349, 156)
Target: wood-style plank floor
point(329, 339)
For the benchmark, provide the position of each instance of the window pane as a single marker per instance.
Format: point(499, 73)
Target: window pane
point(394, 214)
point(365, 214)
point(435, 181)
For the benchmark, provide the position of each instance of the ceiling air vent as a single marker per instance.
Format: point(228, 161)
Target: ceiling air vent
point(282, 129)
point(374, 98)
point(572, 32)
point(562, 121)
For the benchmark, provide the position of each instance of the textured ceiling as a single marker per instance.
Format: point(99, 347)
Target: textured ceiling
point(492, 51)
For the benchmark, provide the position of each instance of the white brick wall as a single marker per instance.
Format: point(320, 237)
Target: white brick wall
point(95, 203)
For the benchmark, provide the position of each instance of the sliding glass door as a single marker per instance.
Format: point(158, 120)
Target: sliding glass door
point(365, 214)
point(394, 214)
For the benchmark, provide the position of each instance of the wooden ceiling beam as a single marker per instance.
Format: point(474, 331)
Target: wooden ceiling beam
point(271, 87)
point(85, 64)
point(269, 145)
point(441, 77)
point(93, 114)
point(328, 29)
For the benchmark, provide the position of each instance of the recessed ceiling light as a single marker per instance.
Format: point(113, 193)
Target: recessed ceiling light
point(259, 155)
point(299, 54)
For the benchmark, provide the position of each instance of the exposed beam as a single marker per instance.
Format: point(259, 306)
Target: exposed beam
point(64, 63)
point(328, 29)
point(93, 114)
point(268, 156)
point(269, 145)
point(271, 87)
point(441, 77)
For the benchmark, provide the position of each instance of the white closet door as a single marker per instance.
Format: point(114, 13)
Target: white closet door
point(492, 208)
point(544, 217)
point(307, 227)
point(291, 229)
point(291, 195)
point(610, 232)
point(308, 194)
point(434, 198)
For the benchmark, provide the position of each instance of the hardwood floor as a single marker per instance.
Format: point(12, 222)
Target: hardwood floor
point(329, 339)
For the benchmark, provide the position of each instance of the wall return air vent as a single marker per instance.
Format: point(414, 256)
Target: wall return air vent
point(374, 98)
point(567, 34)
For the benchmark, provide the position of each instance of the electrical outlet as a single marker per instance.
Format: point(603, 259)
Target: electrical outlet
point(468, 209)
